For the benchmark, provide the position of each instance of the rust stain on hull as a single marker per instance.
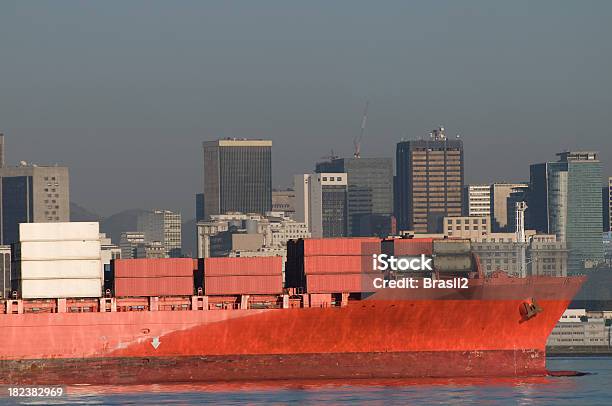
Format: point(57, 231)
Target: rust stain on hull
point(427, 364)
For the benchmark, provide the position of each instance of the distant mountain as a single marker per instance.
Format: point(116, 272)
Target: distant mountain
point(127, 220)
point(80, 213)
point(114, 225)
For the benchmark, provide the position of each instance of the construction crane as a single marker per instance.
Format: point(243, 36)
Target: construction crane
point(330, 157)
point(357, 140)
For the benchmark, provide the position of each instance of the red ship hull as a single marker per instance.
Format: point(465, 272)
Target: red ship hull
point(482, 333)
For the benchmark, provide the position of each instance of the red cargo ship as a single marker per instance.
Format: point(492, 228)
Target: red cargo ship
point(498, 326)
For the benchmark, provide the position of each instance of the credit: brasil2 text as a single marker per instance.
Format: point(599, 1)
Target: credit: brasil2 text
point(424, 283)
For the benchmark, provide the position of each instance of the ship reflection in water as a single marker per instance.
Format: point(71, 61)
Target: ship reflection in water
point(589, 389)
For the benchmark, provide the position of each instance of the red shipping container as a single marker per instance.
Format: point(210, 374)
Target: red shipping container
point(255, 266)
point(338, 264)
point(243, 285)
point(413, 246)
point(154, 267)
point(341, 246)
point(162, 286)
point(340, 283)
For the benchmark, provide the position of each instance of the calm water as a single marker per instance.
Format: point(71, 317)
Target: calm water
point(594, 389)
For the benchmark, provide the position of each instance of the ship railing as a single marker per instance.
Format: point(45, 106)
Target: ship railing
point(265, 305)
point(82, 305)
point(174, 307)
point(82, 309)
point(134, 308)
point(224, 306)
point(164, 303)
point(39, 306)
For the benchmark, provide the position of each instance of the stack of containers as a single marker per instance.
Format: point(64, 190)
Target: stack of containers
point(154, 277)
point(243, 276)
point(339, 265)
point(412, 247)
point(453, 256)
point(58, 260)
point(408, 248)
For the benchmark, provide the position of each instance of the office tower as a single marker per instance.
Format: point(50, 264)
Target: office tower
point(536, 215)
point(430, 182)
point(607, 205)
point(162, 226)
point(129, 243)
point(370, 188)
point(32, 194)
point(284, 200)
point(237, 176)
point(1, 150)
point(301, 187)
point(504, 197)
point(477, 200)
point(199, 207)
point(518, 195)
point(321, 201)
point(565, 200)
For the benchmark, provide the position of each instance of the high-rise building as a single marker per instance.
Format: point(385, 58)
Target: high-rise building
point(504, 197)
point(237, 176)
point(199, 206)
point(565, 200)
point(321, 203)
point(162, 226)
point(370, 188)
point(129, 243)
point(32, 194)
point(429, 181)
point(607, 205)
point(536, 215)
point(1, 150)
point(477, 200)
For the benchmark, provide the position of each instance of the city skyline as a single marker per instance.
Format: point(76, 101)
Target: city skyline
point(185, 204)
point(122, 100)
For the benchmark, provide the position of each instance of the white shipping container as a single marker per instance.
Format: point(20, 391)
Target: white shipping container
point(60, 288)
point(74, 231)
point(62, 269)
point(56, 250)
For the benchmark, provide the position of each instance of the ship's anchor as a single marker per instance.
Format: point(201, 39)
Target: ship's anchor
point(529, 309)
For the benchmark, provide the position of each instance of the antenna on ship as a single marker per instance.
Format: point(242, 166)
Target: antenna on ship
point(357, 140)
point(520, 236)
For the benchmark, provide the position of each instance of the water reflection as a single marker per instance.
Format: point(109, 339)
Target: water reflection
point(591, 389)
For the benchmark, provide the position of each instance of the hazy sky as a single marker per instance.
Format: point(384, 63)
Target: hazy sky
point(124, 92)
